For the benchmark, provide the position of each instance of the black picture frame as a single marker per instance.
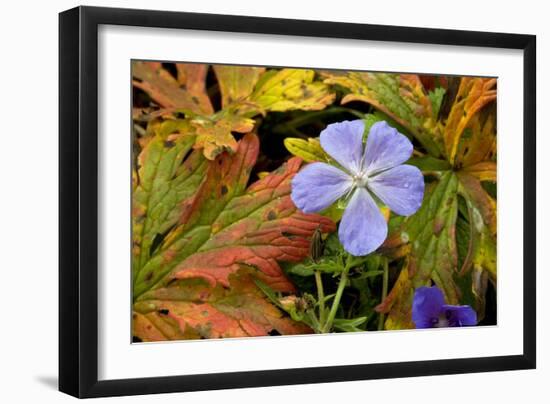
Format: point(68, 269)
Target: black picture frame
point(78, 201)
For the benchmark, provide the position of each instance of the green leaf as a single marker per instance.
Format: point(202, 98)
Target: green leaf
point(333, 247)
point(378, 116)
point(300, 309)
point(433, 254)
point(481, 211)
point(472, 278)
point(334, 212)
point(436, 97)
point(349, 325)
point(301, 270)
point(270, 293)
point(169, 175)
point(429, 164)
point(370, 119)
point(485, 207)
point(308, 267)
point(400, 96)
point(431, 231)
point(457, 253)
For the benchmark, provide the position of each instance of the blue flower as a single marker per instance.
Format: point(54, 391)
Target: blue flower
point(364, 172)
point(430, 311)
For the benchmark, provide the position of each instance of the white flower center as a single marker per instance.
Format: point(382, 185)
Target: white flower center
point(360, 180)
point(440, 322)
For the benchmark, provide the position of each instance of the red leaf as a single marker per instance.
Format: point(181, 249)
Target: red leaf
point(257, 228)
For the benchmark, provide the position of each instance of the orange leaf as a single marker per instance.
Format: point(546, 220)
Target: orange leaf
point(191, 310)
point(168, 92)
point(473, 94)
point(255, 228)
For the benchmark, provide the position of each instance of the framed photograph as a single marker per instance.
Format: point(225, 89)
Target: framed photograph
point(251, 201)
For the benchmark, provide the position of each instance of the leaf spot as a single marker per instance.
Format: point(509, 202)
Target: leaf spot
point(438, 226)
point(288, 235)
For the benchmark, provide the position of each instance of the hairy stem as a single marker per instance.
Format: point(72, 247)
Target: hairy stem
point(336, 302)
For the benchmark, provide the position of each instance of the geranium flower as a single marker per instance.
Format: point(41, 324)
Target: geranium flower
point(364, 172)
point(430, 311)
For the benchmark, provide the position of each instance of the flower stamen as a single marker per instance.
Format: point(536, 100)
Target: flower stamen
point(360, 180)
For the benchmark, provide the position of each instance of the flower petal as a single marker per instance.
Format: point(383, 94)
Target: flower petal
point(426, 307)
point(460, 316)
point(317, 186)
point(343, 141)
point(363, 228)
point(386, 148)
point(401, 188)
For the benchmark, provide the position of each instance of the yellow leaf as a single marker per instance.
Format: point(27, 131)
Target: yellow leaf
point(236, 82)
point(478, 141)
point(215, 139)
point(214, 133)
point(483, 171)
point(309, 150)
point(289, 89)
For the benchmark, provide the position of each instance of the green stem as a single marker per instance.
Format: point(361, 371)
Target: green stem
point(336, 302)
point(320, 296)
point(385, 277)
point(315, 324)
